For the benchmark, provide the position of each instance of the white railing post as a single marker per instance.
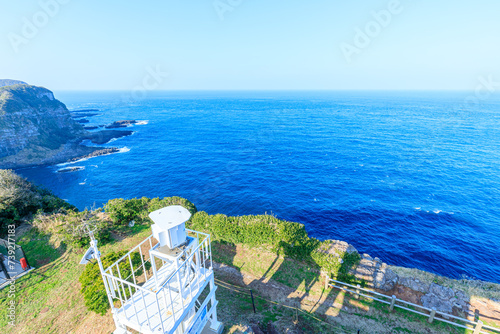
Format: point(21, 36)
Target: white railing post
point(393, 301)
point(120, 276)
point(478, 327)
point(133, 303)
point(210, 250)
point(153, 265)
point(181, 290)
point(357, 291)
point(431, 316)
point(131, 267)
point(143, 266)
point(159, 313)
point(146, 309)
point(172, 304)
point(215, 324)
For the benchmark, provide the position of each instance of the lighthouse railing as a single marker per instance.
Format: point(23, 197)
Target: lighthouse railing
point(126, 279)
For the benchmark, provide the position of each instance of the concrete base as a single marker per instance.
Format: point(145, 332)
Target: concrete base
point(208, 330)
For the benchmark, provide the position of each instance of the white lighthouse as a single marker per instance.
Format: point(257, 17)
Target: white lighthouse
point(172, 290)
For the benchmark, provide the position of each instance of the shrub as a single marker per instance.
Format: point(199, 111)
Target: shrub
point(67, 225)
point(256, 230)
point(122, 211)
point(20, 198)
point(93, 290)
point(283, 237)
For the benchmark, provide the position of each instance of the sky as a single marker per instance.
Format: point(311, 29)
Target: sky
point(250, 44)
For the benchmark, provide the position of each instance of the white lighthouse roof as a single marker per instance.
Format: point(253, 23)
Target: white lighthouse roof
point(170, 216)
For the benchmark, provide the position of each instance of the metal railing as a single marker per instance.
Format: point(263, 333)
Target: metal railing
point(165, 299)
point(392, 301)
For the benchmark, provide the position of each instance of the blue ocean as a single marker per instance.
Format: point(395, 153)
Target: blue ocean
point(410, 177)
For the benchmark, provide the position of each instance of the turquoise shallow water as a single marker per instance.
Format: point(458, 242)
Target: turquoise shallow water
point(412, 178)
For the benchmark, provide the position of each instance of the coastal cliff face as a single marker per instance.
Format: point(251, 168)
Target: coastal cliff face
point(34, 126)
point(38, 129)
point(31, 118)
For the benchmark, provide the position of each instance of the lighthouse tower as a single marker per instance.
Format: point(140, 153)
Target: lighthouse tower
point(165, 284)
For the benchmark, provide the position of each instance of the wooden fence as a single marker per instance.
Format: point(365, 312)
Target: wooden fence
point(432, 314)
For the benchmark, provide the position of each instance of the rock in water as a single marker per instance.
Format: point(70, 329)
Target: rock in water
point(120, 124)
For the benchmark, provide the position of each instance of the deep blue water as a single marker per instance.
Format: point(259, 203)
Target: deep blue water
point(412, 178)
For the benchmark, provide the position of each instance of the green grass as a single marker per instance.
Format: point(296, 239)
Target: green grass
point(52, 287)
point(49, 300)
point(38, 248)
point(235, 309)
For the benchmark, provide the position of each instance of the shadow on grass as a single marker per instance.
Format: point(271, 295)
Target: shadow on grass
point(38, 248)
point(303, 286)
point(301, 281)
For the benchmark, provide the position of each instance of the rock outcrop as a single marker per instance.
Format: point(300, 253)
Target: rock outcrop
point(375, 273)
point(32, 120)
point(121, 124)
point(37, 129)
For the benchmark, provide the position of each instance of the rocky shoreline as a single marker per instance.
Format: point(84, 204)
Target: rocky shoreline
point(67, 153)
point(104, 136)
point(96, 153)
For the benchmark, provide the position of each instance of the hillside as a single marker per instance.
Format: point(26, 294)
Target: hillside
point(31, 118)
point(19, 199)
point(37, 129)
point(284, 267)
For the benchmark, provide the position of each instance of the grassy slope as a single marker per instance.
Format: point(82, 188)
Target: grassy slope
point(48, 298)
point(49, 301)
point(348, 313)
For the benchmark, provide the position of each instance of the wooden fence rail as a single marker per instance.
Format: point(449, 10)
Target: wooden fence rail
point(392, 301)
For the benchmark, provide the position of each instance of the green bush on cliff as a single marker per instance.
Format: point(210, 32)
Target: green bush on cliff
point(93, 290)
point(257, 230)
point(67, 225)
point(20, 198)
point(122, 211)
point(266, 231)
point(283, 237)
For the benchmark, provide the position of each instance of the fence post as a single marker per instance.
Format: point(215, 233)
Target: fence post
point(253, 303)
point(357, 291)
point(478, 327)
point(327, 279)
point(431, 317)
point(393, 301)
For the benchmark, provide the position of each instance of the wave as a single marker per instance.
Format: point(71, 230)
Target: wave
point(62, 164)
point(120, 150)
point(436, 211)
point(142, 122)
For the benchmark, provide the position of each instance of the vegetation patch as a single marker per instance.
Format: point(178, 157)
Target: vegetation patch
point(122, 211)
point(93, 290)
point(282, 237)
point(19, 199)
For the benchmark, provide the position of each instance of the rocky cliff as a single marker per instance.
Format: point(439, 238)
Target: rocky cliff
point(36, 128)
point(9, 82)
